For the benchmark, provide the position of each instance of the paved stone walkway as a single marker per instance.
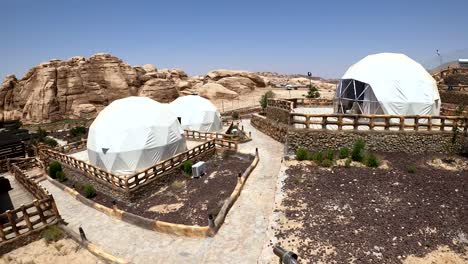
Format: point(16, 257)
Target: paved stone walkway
point(240, 239)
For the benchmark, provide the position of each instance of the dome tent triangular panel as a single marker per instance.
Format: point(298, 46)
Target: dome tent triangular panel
point(128, 129)
point(197, 113)
point(387, 83)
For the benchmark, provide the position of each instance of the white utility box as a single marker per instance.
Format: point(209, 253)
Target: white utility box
point(198, 169)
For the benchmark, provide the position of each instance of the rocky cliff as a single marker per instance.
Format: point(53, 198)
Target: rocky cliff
point(81, 87)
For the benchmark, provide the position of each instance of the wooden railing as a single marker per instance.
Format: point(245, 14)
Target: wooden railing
point(90, 170)
point(29, 184)
point(27, 218)
point(73, 147)
point(378, 122)
point(176, 161)
point(129, 182)
point(197, 135)
point(310, 102)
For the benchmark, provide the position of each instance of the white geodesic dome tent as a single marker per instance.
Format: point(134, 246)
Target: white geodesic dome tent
point(134, 133)
point(197, 113)
point(387, 83)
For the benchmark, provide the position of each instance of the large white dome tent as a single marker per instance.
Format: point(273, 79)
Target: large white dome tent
point(197, 113)
point(387, 83)
point(134, 133)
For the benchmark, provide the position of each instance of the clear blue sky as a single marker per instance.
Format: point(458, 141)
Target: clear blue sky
point(323, 37)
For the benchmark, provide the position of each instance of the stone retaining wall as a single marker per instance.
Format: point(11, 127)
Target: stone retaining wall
point(454, 97)
point(277, 131)
point(384, 141)
point(277, 114)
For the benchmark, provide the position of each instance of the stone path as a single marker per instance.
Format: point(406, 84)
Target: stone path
point(18, 195)
point(240, 239)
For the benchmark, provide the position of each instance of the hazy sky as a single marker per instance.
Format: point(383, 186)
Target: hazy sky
point(323, 37)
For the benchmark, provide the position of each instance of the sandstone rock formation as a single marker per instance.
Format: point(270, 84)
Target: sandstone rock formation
point(58, 89)
point(220, 74)
point(215, 91)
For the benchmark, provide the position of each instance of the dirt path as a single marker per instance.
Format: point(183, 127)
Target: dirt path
point(239, 240)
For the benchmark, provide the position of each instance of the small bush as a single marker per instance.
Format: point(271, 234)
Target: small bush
point(302, 154)
point(313, 92)
point(265, 97)
point(411, 169)
point(317, 157)
point(41, 134)
point(344, 153)
point(329, 154)
point(78, 131)
point(357, 154)
point(52, 233)
point(347, 163)
point(372, 161)
point(89, 191)
point(187, 167)
point(60, 176)
point(50, 141)
point(326, 163)
point(54, 167)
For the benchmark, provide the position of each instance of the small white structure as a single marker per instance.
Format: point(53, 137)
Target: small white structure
point(197, 113)
point(387, 83)
point(134, 133)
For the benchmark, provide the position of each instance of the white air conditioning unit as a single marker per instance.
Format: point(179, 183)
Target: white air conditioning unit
point(198, 169)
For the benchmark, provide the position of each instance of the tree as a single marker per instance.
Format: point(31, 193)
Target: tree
point(265, 97)
point(313, 92)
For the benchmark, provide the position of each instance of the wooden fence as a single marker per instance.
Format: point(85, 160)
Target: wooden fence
point(176, 161)
point(129, 182)
point(73, 147)
point(43, 211)
point(378, 122)
point(310, 102)
point(10, 150)
point(92, 171)
point(197, 135)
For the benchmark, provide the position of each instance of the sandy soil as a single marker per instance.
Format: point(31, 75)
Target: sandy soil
point(253, 98)
point(41, 252)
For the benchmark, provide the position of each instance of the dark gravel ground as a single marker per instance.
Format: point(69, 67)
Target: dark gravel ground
point(193, 199)
point(374, 215)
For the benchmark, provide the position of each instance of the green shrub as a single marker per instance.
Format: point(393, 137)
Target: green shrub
point(265, 97)
point(50, 141)
point(347, 163)
point(41, 134)
point(54, 167)
point(411, 169)
point(317, 157)
point(357, 154)
point(326, 163)
point(52, 233)
point(78, 131)
point(313, 92)
point(187, 167)
point(344, 153)
point(302, 154)
point(60, 176)
point(329, 154)
point(89, 191)
point(372, 160)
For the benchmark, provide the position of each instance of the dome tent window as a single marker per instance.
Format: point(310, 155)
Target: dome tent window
point(387, 83)
point(132, 134)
